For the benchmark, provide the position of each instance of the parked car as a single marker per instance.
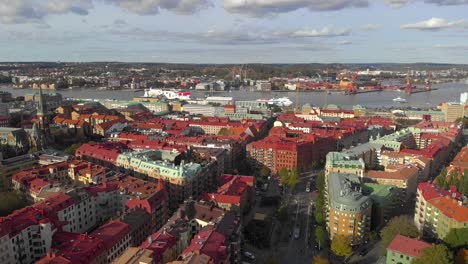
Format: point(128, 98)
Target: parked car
point(297, 233)
point(249, 255)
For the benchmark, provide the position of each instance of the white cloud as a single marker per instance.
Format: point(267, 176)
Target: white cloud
point(19, 11)
point(312, 33)
point(150, 7)
point(34, 11)
point(434, 24)
point(268, 7)
point(447, 2)
point(397, 3)
point(345, 42)
point(451, 46)
point(79, 7)
point(235, 36)
point(400, 3)
point(370, 27)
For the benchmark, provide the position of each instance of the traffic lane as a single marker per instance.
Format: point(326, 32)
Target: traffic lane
point(298, 249)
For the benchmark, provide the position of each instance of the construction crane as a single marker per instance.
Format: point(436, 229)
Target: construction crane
point(327, 86)
point(297, 100)
point(409, 86)
point(352, 89)
point(428, 86)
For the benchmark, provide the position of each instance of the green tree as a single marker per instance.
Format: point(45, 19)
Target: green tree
point(456, 238)
point(444, 172)
point(320, 181)
point(10, 201)
point(441, 181)
point(284, 175)
point(223, 132)
point(402, 225)
point(453, 179)
point(265, 171)
point(437, 254)
point(341, 246)
point(320, 236)
point(319, 204)
point(463, 185)
point(71, 150)
point(293, 178)
point(319, 260)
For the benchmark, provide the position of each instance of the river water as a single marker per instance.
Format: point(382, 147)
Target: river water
point(441, 93)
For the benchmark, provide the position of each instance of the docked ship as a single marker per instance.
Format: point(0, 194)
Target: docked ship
point(169, 94)
point(282, 102)
point(399, 100)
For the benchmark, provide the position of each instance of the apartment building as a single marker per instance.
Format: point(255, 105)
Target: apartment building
point(349, 211)
point(437, 210)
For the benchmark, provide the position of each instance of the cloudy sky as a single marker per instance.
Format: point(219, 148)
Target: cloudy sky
point(235, 31)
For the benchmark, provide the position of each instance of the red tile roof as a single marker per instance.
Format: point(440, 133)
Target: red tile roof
point(210, 243)
point(431, 191)
point(20, 219)
point(111, 233)
point(159, 242)
point(408, 246)
point(78, 248)
point(106, 151)
point(36, 185)
point(231, 190)
point(107, 125)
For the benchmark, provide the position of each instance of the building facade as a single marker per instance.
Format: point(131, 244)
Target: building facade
point(349, 211)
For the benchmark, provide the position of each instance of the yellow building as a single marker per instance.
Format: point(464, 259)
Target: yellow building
point(438, 211)
point(134, 255)
point(453, 111)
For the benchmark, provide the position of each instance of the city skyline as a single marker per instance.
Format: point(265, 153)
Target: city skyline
point(234, 31)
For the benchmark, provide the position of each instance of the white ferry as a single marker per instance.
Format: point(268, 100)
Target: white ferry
point(169, 94)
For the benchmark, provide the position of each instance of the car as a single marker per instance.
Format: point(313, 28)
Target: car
point(297, 233)
point(249, 255)
point(308, 187)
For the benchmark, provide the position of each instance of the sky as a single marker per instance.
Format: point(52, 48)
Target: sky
point(235, 31)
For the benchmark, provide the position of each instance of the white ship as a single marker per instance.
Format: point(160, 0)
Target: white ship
point(399, 100)
point(169, 94)
point(283, 101)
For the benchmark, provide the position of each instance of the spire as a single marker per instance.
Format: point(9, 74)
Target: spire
point(35, 131)
point(40, 105)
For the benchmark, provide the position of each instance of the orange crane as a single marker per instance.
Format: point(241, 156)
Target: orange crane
point(353, 86)
point(408, 87)
point(428, 86)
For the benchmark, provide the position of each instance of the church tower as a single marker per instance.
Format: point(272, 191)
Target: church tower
point(37, 138)
point(42, 111)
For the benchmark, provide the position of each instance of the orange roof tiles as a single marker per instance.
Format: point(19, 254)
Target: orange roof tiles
point(451, 208)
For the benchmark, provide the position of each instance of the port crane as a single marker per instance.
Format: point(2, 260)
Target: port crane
point(428, 85)
point(409, 86)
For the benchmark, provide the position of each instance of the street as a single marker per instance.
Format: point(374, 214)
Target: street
point(284, 247)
